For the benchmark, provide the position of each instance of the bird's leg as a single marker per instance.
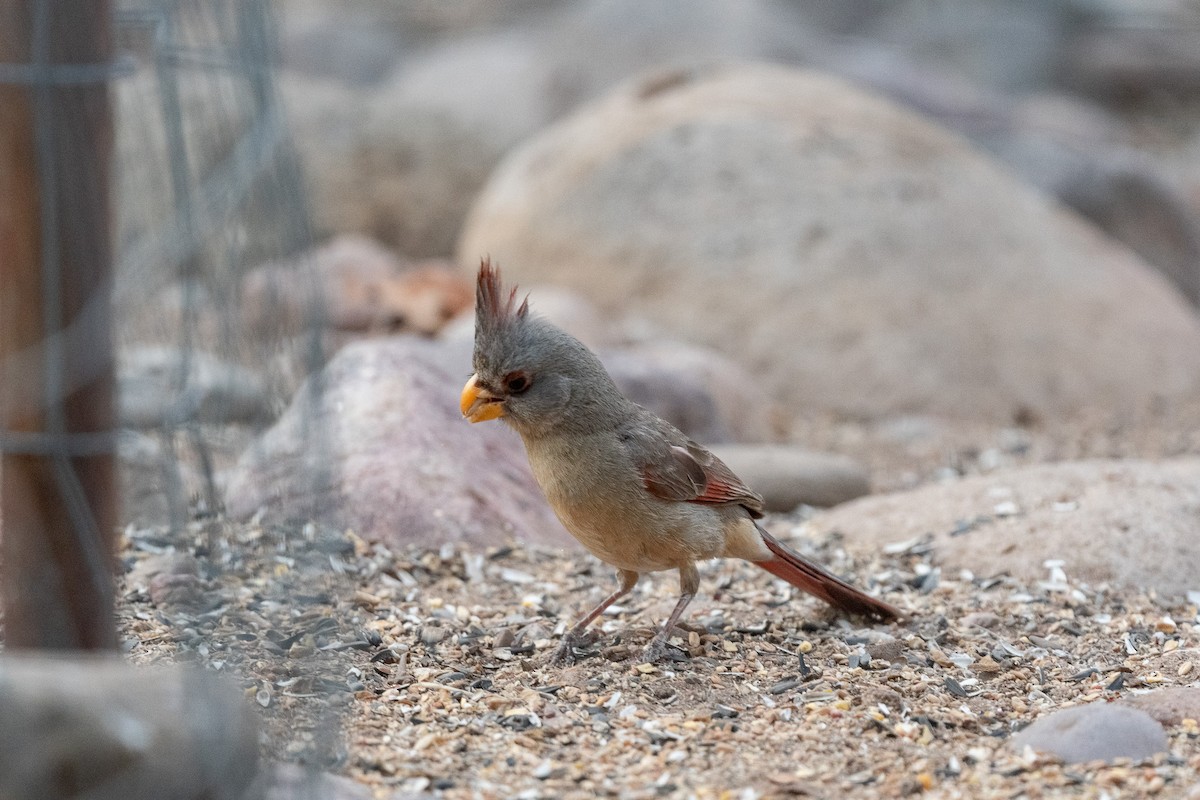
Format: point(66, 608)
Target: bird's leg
point(565, 653)
point(689, 584)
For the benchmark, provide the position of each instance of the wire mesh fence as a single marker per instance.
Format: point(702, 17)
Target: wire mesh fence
point(207, 188)
point(145, 172)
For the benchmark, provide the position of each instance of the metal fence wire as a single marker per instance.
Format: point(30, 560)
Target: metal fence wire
point(207, 187)
point(146, 244)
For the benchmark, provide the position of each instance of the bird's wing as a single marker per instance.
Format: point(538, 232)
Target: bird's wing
point(676, 468)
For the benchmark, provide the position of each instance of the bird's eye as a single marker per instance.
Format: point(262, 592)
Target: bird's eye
point(516, 382)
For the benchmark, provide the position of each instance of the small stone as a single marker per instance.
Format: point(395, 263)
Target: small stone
point(1006, 509)
point(433, 634)
point(170, 563)
point(789, 476)
point(162, 385)
point(987, 664)
point(982, 619)
point(887, 649)
point(174, 589)
point(978, 755)
point(1094, 732)
point(516, 576)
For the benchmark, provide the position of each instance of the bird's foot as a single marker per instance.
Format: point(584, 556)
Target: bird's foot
point(565, 653)
point(655, 651)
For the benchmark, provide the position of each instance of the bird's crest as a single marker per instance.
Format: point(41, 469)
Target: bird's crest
point(494, 309)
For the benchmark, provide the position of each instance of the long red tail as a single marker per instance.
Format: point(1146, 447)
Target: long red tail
point(803, 574)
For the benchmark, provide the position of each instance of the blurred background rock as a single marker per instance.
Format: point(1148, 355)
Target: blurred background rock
point(909, 232)
point(402, 109)
point(902, 235)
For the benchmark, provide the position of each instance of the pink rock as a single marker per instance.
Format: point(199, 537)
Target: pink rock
point(356, 285)
point(384, 451)
point(704, 393)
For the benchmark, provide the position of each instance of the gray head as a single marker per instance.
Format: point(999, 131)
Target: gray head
point(539, 378)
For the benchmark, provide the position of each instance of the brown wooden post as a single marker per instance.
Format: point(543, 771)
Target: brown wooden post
point(57, 514)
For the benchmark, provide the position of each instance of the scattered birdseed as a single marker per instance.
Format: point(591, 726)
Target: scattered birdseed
point(411, 672)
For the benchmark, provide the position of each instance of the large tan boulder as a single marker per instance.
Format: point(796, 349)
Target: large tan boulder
point(1135, 524)
point(856, 256)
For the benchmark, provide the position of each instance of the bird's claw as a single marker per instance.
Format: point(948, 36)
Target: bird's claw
point(565, 653)
point(654, 651)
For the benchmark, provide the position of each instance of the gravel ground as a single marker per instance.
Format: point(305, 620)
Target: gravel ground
point(426, 672)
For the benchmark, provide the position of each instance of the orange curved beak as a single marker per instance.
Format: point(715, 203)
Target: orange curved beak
point(478, 404)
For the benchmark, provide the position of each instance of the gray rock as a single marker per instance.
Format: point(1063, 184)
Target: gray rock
point(1087, 158)
point(1136, 50)
point(575, 314)
point(592, 45)
point(155, 486)
point(700, 391)
point(400, 172)
point(403, 160)
point(1130, 198)
point(97, 727)
point(1169, 706)
point(294, 782)
point(162, 386)
point(787, 476)
point(1127, 522)
point(1065, 145)
point(384, 450)
point(565, 308)
point(341, 284)
point(499, 81)
point(335, 42)
point(1014, 46)
point(821, 276)
point(1094, 732)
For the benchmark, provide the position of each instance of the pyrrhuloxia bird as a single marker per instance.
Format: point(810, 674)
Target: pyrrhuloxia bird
point(632, 488)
